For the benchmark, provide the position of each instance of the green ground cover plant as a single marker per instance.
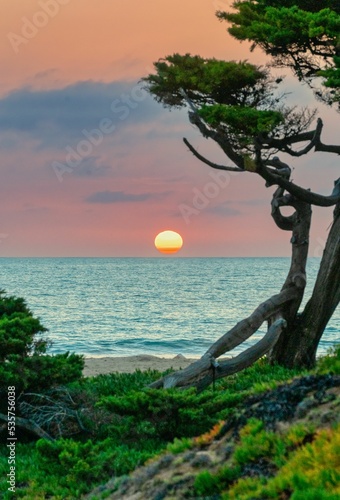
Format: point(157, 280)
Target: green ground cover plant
point(126, 424)
point(135, 423)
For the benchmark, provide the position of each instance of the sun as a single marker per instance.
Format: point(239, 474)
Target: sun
point(168, 242)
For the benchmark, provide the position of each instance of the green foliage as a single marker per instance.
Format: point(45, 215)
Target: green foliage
point(208, 483)
point(161, 415)
point(205, 483)
point(297, 435)
point(332, 77)
point(311, 471)
point(18, 329)
point(126, 409)
point(296, 34)
point(180, 445)
point(117, 383)
point(255, 443)
point(308, 5)
point(279, 28)
point(80, 465)
point(275, 26)
point(27, 472)
point(40, 372)
point(246, 121)
point(135, 424)
point(237, 100)
point(330, 362)
point(308, 465)
point(66, 469)
point(23, 359)
point(261, 376)
point(225, 82)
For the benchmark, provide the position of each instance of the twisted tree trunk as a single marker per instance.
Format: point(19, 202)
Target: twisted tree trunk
point(298, 345)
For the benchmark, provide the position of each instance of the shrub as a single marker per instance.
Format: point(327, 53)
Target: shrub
point(180, 445)
point(164, 414)
point(81, 465)
point(255, 442)
point(310, 471)
point(208, 483)
point(23, 359)
point(330, 362)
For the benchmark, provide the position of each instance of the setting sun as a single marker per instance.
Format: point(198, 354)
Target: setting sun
point(168, 242)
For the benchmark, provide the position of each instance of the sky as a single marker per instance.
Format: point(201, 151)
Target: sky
point(91, 165)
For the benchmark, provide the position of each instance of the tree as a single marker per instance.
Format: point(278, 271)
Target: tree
point(238, 105)
point(301, 34)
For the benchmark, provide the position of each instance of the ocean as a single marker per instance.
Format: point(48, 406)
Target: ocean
point(161, 306)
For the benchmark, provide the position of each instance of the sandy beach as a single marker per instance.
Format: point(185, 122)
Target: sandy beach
point(128, 364)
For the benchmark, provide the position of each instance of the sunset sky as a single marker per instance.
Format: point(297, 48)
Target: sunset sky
point(69, 91)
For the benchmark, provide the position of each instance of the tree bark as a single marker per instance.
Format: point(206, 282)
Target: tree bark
point(206, 370)
point(298, 345)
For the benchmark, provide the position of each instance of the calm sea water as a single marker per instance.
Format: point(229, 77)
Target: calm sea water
point(160, 306)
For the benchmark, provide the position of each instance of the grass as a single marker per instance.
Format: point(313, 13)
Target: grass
point(310, 471)
point(301, 464)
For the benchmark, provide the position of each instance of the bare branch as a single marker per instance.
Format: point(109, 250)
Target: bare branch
point(219, 137)
point(249, 356)
point(283, 144)
point(299, 192)
point(30, 426)
point(285, 223)
point(206, 131)
point(56, 412)
point(327, 148)
point(314, 141)
point(188, 101)
point(208, 162)
point(204, 371)
point(313, 136)
point(300, 242)
point(281, 169)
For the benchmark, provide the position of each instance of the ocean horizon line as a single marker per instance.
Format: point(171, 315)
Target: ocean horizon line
point(153, 257)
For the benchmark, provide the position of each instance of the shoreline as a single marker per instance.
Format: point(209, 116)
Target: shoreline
point(128, 364)
point(103, 365)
